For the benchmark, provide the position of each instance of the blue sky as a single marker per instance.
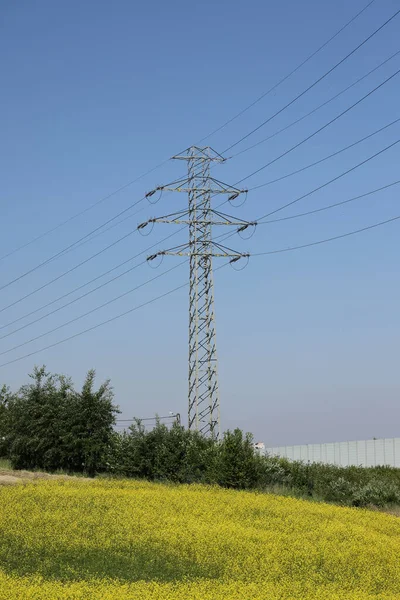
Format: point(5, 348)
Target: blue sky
point(94, 94)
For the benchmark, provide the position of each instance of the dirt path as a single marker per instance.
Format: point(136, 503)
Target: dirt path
point(9, 477)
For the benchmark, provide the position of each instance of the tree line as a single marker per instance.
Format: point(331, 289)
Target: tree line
point(49, 425)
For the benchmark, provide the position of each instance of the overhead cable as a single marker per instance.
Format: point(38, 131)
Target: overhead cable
point(161, 164)
point(286, 77)
point(331, 239)
point(306, 139)
point(152, 300)
point(323, 185)
point(91, 311)
point(310, 87)
point(112, 319)
point(32, 312)
point(346, 89)
point(323, 208)
point(321, 160)
point(70, 246)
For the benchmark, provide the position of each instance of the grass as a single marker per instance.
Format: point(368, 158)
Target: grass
point(5, 464)
point(119, 539)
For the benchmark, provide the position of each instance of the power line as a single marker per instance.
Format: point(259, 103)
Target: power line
point(260, 222)
point(82, 241)
point(72, 301)
point(97, 229)
point(120, 189)
point(304, 140)
point(93, 309)
point(64, 250)
point(204, 221)
point(318, 161)
point(346, 89)
point(71, 337)
point(81, 286)
point(171, 419)
point(274, 87)
point(86, 238)
point(161, 164)
point(105, 230)
point(336, 178)
point(153, 245)
point(321, 160)
point(122, 220)
point(119, 316)
point(331, 239)
point(146, 419)
point(74, 244)
point(42, 287)
point(314, 83)
point(320, 187)
point(84, 211)
point(83, 295)
point(84, 284)
point(317, 210)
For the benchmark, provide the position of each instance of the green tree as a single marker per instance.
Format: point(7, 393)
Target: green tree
point(171, 454)
point(239, 466)
point(177, 454)
point(88, 427)
point(51, 426)
point(5, 397)
point(35, 421)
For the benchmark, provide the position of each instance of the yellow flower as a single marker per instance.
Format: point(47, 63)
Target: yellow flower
point(108, 539)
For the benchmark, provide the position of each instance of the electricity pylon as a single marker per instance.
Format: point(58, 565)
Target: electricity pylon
point(203, 395)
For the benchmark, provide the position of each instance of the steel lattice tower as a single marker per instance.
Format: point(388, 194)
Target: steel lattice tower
point(203, 394)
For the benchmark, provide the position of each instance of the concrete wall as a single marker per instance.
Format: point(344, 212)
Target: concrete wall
point(367, 453)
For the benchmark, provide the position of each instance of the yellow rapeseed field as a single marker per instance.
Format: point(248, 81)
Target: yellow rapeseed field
point(122, 540)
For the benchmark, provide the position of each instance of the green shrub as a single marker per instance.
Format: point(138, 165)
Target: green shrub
point(5, 398)
point(161, 454)
point(50, 426)
point(239, 467)
point(376, 493)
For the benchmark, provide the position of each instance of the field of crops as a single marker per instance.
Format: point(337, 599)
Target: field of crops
point(102, 539)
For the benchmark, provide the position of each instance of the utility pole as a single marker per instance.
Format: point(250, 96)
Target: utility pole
point(203, 393)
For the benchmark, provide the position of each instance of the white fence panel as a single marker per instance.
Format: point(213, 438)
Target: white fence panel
point(367, 453)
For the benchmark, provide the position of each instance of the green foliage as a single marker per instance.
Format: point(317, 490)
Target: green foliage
point(163, 454)
point(34, 421)
point(239, 466)
point(89, 417)
point(48, 425)
point(51, 426)
point(5, 398)
point(183, 456)
point(350, 486)
point(178, 455)
point(4, 464)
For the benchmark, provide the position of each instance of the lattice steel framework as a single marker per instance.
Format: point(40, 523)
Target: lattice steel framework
point(203, 394)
